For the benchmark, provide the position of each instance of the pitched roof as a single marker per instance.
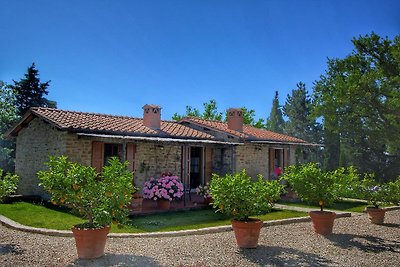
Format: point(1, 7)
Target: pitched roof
point(102, 123)
point(94, 123)
point(249, 133)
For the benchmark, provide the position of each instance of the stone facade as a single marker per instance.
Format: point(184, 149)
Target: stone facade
point(253, 158)
point(152, 159)
point(35, 143)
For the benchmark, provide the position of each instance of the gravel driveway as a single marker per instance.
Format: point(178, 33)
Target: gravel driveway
point(355, 242)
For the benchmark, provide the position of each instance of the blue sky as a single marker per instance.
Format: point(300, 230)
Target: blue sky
point(115, 56)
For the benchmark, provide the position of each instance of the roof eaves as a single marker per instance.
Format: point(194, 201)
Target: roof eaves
point(188, 119)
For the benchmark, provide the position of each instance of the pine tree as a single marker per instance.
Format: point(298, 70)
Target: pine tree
point(275, 120)
point(29, 92)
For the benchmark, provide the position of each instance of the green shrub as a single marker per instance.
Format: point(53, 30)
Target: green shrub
point(316, 186)
point(100, 198)
point(239, 197)
point(393, 191)
point(8, 184)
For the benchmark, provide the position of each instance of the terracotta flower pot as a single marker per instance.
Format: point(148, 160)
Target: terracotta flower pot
point(163, 204)
point(322, 221)
point(247, 232)
point(376, 215)
point(90, 243)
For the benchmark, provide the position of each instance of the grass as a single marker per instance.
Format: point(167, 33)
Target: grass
point(53, 218)
point(342, 205)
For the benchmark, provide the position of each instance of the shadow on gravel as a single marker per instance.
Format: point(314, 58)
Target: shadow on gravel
point(10, 248)
point(365, 243)
point(116, 260)
point(279, 256)
point(394, 225)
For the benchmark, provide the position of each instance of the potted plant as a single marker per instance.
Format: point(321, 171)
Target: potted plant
point(376, 195)
point(238, 196)
point(100, 198)
point(163, 190)
point(317, 187)
point(204, 191)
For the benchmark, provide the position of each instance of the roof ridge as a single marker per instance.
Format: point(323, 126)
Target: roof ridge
point(95, 113)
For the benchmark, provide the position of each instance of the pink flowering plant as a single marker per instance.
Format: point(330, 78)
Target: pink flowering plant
point(204, 190)
point(167, 187)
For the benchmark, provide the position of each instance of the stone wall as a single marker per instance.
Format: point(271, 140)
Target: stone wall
point(152, 159)
point(35, 144)
point(78, 149)
point(222, 160)
point(253, 158)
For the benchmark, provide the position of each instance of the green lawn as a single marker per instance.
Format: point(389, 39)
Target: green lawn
point(342, 205)
point(60, 219)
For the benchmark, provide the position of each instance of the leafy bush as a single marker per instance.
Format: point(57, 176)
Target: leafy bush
point(240, 197)
point(8, 184)
point(100, 198)
point(316, 186)
point(393, 191)
point(369, 189)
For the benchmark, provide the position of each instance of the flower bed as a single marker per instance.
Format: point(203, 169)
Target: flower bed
point(166, 187)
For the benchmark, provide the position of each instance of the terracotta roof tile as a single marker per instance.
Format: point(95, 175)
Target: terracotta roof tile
point(102, 123)
point(249, 132)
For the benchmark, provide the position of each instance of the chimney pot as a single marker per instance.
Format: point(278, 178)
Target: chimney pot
point(235, 119)
point(152, 116)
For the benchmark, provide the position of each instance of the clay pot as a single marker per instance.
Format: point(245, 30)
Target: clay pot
point(163, 204)
point(90, 243)
point(376, 215)
point(247, 232)
point(322, 221)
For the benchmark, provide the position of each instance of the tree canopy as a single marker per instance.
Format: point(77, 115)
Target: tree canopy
point(275, 120)
point(359, 100)
point(30, 92)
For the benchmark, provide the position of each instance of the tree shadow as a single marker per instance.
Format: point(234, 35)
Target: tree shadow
point(116, 260)
point(393, 225)
point(10, 249)
point(366, 243)
point(269, 255)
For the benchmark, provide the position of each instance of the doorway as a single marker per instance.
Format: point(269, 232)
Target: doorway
point(196, 166)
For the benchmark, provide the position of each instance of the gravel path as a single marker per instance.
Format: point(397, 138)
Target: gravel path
point(355, 242)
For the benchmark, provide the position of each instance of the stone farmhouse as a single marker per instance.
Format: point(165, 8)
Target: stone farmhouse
point(191, 148)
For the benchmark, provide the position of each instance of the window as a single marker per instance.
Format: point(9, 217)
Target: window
point(112, 150)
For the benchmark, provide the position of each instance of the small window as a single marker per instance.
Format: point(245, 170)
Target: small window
point(112, 150)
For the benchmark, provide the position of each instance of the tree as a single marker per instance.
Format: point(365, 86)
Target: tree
point(359, 100)
point(249, 118)
point(8, 116)
point(210, 112)
point(29, 92)
point(275, 120)
point(301, 123)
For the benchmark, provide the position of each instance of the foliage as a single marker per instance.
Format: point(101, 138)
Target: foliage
point(8, 116)
point(101, 198)
point(302, 124)
point(368, 189)
point(166, 187)
point(393, 191)
point(204, 190)
point(316, 186)
point(210, 112)
point(29, 92)
point(275, 120)
point(239, 197)
point(358, 99)
point(8, 184)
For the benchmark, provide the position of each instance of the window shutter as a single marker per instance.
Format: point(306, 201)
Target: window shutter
point(97, 155)
point(130, 155)
point(208, 167)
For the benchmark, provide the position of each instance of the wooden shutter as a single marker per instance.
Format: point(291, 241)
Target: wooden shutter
point(130, 155)
point(208, 161)
point(97, 155)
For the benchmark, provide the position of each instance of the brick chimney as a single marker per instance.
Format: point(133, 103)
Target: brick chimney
point(152, 116)
point(235, 119)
